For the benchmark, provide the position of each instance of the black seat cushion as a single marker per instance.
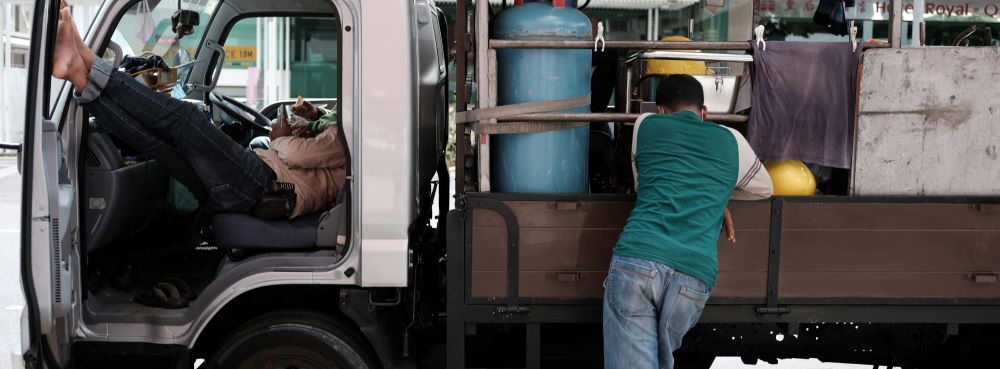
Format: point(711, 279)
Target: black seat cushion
point(244, 231)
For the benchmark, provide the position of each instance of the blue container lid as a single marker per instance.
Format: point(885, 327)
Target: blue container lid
point(541, 21)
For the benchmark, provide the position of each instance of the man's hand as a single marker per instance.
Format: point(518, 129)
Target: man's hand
point(727, 226)
point(306, 110)
point(281, 129)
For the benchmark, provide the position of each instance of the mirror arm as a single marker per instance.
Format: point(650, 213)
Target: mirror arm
point(11, 146)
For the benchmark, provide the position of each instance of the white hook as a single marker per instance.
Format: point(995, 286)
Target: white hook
point(758, 33)
point(854, 37)
point(600, 36)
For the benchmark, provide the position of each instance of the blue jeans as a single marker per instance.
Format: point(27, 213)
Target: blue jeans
point(648, 307)
point(178, 135)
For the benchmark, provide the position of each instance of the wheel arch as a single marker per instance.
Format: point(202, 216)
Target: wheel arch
point(348, 306)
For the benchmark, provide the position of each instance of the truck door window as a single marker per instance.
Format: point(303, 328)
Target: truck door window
point(270, 59)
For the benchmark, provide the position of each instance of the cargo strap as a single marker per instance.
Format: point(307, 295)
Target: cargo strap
point(477, 118)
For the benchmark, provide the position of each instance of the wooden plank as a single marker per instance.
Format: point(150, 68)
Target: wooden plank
point(601, 214)
point(883, 285)
point(896, 23)
point(859, 251)
point(542, 284)
point(889, 217)
point(485, 100)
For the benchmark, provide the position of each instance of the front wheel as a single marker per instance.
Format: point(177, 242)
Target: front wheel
point(293, 339)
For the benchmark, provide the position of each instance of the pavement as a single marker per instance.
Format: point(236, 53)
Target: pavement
point(12, 300)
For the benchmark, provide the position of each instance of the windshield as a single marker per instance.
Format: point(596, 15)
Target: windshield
point(146, 29)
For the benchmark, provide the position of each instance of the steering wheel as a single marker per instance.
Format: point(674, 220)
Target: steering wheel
point(239, 111)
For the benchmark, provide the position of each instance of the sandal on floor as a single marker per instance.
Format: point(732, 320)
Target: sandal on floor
point(162, 295)
point(182, 287)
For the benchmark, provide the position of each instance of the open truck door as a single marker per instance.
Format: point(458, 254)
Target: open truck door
point(48, 198)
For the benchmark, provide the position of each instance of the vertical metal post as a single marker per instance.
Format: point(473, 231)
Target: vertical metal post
point(918, 19)
point(533, 341)
point(461, 35)
point(656, 24)
point(621, 87)
point(455, 293)
point(649, 25)
point(896, 23)
point(4, 69)
point(774, 253)
point(483, 87)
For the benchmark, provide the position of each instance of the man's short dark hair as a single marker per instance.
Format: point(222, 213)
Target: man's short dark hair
point(677, 91)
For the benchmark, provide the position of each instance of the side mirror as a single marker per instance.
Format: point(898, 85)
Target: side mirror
point(15, 147)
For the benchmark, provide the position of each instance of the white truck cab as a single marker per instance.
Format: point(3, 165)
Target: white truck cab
point(96, 220)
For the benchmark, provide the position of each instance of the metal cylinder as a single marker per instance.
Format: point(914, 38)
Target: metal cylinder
point(542, 162)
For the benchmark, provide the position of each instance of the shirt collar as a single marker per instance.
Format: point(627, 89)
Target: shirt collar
point(688, 114)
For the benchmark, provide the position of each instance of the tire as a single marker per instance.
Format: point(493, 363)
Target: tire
point(296, 339)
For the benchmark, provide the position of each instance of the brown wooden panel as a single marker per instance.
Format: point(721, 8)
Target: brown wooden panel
point(488, 284)
point(844, 250)
point(881, 251)
point(748, 254)
point(565, 247)
point(560, 214)
point(489, 249)
point(600, 214)
point(740, 285)
point(883, 216)
point(590, 284)
point(562, 285)
point(750, 215)
point(883, 285)
point(546, 249)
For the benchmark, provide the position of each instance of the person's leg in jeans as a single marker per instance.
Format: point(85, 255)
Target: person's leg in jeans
point(683, 300)
point(141, 138)
point(630, 315)
point(235, 178)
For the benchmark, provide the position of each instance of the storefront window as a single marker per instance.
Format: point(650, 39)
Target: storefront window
point(269, 59)
point(791, 20)
point(629, 20)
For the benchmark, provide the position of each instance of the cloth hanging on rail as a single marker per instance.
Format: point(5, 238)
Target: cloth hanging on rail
point(804, 102)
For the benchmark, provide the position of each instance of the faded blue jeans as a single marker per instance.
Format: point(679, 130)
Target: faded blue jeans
point(178, 135)
point(648, 307)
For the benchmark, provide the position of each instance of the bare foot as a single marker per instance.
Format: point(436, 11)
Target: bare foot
point(81, 46)
point(66, 61)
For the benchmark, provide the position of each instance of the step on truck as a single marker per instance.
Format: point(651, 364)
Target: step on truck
point(899, 269)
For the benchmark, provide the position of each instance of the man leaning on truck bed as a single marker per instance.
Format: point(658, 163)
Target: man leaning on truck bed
point(665, 262)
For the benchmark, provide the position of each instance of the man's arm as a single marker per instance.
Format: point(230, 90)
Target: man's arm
point(327, 118)
point(322, 151)
point(752, 181)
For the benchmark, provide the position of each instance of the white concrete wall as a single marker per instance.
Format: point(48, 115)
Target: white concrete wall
point(12, 107)
point(929, 122)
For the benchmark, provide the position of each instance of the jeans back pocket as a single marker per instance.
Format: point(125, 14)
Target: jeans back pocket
point(628, 288)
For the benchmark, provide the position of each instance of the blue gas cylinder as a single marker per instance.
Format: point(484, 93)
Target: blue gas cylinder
point(551, 161)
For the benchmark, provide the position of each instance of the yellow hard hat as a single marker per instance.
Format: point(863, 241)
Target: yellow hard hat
point(691, 67)
point(791, 178)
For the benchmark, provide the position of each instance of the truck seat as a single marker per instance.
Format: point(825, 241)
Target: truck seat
point(326, 229)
